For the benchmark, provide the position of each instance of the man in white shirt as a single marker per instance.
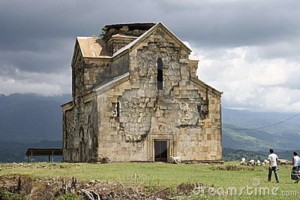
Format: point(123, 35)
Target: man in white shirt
point(296, 166)
point(273, 158)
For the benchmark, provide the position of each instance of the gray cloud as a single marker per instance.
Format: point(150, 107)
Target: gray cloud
point(48, 56)
point(249, 46)
point(236, 21)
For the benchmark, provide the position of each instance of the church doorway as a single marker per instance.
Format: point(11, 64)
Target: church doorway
point(161, 150)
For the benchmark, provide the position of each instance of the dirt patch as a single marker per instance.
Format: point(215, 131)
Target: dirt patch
point(47, 189)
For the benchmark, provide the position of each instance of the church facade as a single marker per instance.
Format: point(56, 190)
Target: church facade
point(136, 97)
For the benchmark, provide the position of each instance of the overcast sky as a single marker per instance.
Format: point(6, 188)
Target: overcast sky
point(249, 50)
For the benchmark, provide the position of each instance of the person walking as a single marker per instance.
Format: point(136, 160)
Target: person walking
point(295, 174)
point(273, 159)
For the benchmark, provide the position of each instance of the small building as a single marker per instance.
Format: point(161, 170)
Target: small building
point(136, 97)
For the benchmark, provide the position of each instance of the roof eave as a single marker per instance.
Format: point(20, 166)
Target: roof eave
point(199, 82)
point(112, 83)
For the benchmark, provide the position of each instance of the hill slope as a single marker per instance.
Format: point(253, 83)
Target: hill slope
point(260, 131)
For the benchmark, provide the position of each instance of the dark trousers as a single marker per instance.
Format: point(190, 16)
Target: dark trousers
point(274, 169)
point(295, 175)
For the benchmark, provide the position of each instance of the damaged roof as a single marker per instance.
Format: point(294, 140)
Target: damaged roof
point(96, 47)
point(131, 26)
point(92, 47)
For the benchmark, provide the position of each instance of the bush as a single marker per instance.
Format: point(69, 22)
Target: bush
point(10, 196)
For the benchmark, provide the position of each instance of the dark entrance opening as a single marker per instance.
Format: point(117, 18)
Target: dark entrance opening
point(161, 151)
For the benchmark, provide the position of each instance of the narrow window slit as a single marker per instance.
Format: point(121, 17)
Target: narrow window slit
point(160, 80)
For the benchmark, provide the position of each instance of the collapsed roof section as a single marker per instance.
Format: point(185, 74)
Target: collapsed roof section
point(134, 29)
point(120, 37)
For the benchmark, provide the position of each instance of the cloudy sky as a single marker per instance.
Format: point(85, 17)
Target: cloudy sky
point(249, 50)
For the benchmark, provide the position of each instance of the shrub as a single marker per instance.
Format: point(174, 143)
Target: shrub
point(4, 195)
point(69, 197)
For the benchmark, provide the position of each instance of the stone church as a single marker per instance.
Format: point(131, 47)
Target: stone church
point(136, 97)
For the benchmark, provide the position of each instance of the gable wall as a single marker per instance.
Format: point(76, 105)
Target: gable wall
point(148, 114)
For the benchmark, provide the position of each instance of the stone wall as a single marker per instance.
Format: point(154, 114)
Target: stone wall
point(96, 70)
point(80, 135)
point(68, 132)
point(78, 86)
point(116, 42)
point(185, 113)
point(118, 67)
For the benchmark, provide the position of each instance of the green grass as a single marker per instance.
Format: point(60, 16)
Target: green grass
point(251, 182)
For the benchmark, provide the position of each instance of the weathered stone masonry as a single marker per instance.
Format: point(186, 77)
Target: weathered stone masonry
point(135, 89)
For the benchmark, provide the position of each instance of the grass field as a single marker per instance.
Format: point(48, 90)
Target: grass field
point(227, 181)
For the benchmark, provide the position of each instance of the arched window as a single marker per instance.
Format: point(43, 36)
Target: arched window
point(160, 80)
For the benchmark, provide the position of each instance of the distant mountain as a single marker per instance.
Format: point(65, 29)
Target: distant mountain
point(31, 118)
point(28, 120)
point(260, 130)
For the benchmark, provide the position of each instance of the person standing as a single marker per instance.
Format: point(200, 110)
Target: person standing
point(273, 159)
point(295, 175)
